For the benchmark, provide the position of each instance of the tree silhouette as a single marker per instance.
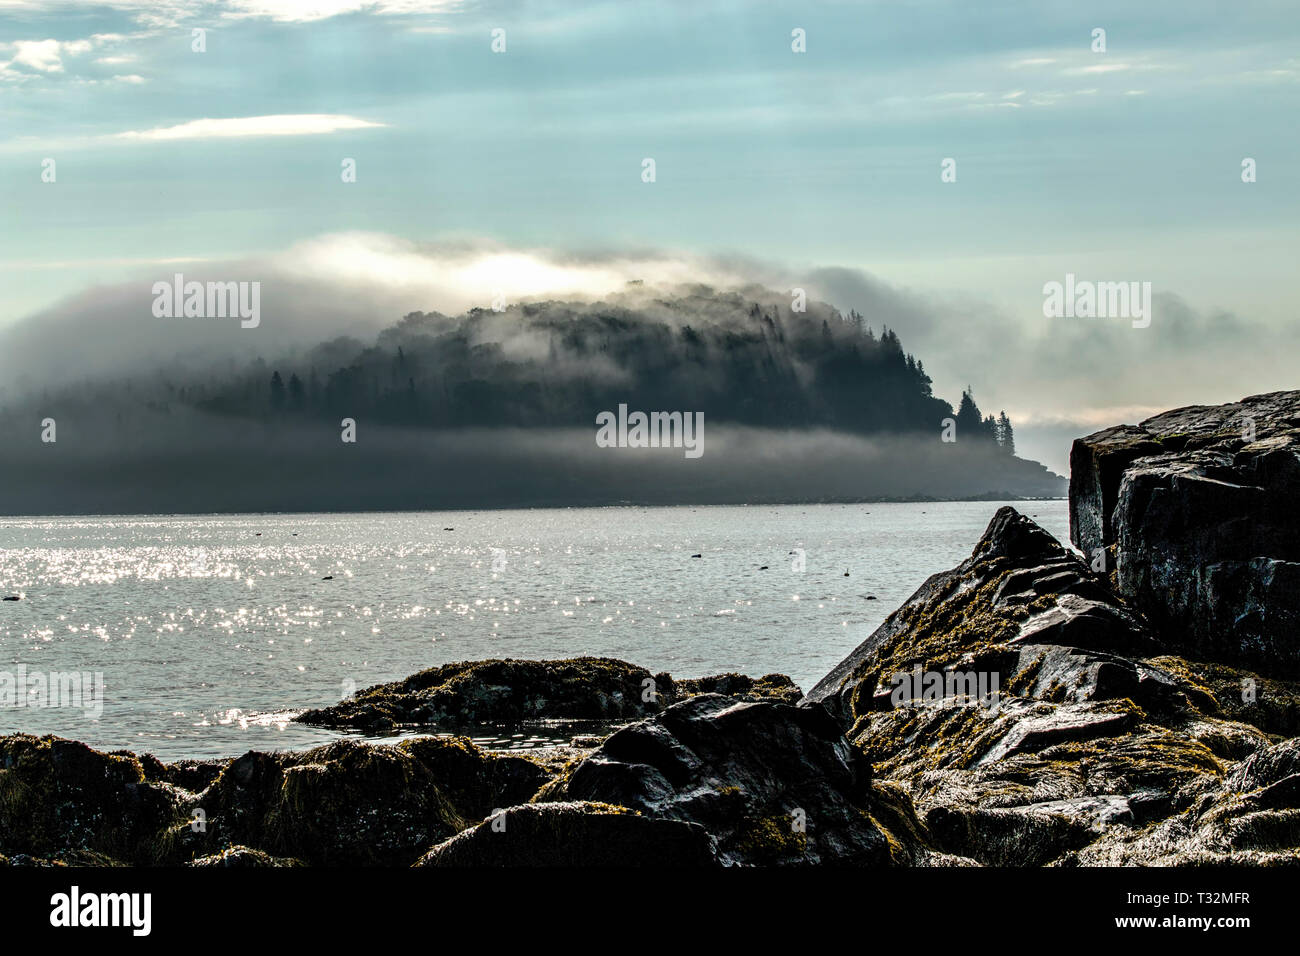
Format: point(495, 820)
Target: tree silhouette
point(1006, 437)
point(277, 391)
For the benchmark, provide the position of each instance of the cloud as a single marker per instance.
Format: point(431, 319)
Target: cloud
point(454, 276)
point(285, 124)
point(160, 14)
point(300, 11)
point(46, 56)
point(1098, 68)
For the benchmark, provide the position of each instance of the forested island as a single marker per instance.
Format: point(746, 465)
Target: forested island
point(497, 409)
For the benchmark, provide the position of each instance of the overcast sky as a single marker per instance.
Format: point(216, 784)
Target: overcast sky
point(523, 169)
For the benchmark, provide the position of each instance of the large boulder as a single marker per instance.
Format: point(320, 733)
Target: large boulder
point(1196, 510)
point(770, 783)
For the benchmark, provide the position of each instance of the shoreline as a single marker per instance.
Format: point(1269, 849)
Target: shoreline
point(920, 499)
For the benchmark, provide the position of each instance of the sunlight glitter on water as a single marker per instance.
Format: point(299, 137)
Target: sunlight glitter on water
point(164, 607)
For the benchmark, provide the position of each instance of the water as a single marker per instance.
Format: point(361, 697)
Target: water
point(210, 631)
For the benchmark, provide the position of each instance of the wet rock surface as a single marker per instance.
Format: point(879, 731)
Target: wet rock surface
point(1103, 746)
point(1196, 511)
point(769, 783)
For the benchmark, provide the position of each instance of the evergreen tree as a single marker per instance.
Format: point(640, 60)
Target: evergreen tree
point(277, 391)
point(1006, 437)
point(969, 420)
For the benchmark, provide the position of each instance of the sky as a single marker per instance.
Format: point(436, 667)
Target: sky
point(522, 170)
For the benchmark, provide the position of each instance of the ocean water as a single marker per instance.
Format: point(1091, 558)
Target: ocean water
point(210, 631)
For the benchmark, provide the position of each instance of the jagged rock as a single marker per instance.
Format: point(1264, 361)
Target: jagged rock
point(1234, 694)
point(770, 783)
point(1097, 465)
point(1198, 507)
point(191, 775)
point(513, 691)
point(1251, 817)
point(1019, 593)
point(574, 834)
point(1095, 728)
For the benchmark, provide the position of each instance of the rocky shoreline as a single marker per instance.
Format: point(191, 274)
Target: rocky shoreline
point(1026, 708)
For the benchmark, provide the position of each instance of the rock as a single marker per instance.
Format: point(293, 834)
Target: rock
point(497, 691)
point(475, 693)
point(1019, 592)
point(350, 803)
point(574, 834)
point(770, 783)
point(59, 796)
point(241, 857)
point(63, 858)
point(1097, 465)
point(1234, 694)
point(477, 781)
point(1198, 508)
point(347, 803)
point(1251, 817)
point(1097, 728)
point(771, 686)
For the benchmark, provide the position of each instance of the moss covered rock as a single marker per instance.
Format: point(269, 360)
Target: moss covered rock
point(347, 803)
point(58, 796)
point(479, 693)
point(1096, 729)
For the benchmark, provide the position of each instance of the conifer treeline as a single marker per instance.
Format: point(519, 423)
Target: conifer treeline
point(739, 360)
